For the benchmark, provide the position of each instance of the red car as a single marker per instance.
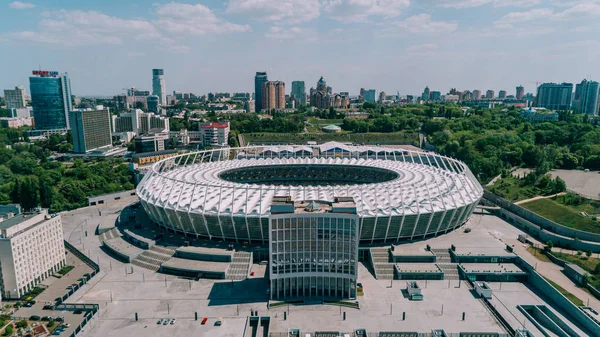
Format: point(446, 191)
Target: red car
point(251, 273)
point(204, 321)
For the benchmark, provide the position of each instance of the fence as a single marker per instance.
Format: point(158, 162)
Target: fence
point(89, 309)
point(95, 269)
point(540, 220)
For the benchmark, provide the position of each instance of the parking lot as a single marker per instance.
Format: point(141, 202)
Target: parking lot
point(57, 287)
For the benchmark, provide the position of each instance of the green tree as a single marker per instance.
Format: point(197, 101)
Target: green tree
point(588, 253)
point(8, 330)
point(579, 253)
point(50, 324)
point(22, 324)
point(597, 269)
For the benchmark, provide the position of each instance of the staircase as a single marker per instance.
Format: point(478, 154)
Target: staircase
point(380, 259)
point(110, 234)
point(152, 259)
point(239, 268)
point(444, 261)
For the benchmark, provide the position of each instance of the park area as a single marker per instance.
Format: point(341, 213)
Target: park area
point(585, 261)
point(403, 137)
point(568, 210)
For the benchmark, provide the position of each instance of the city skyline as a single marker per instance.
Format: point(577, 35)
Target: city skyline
point(474, 44)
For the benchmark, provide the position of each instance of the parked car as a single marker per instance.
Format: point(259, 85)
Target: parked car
point(34, 318)
point(219, 322)
point(173, 321)
point(159, 321)
point(77, 312)
point(46, 318)
point(48, 307)
point(28, 305)
point(59, 318)
point(204, 320)
point(165, 321)
point(57, 332)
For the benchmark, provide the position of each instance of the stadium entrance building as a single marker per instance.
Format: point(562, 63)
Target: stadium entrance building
point(313, 248)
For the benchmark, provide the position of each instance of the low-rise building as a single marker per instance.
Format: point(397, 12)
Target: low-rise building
point(31, 249)
point(152, 157)
point(539, 115)
point(215, 134)
point(16, 122)
point(152, 142)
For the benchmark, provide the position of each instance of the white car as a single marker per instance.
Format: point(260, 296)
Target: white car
point(173, 321)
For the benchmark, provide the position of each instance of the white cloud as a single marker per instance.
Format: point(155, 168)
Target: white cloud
point(420, 24)
point(578, 11)
point(422, 48)
point(77, 28)
point(193, 20)
point(283, 11)
point(361, 10)
point(497, 3)
point(281, 33)
point(20, 5)
point(516, 17)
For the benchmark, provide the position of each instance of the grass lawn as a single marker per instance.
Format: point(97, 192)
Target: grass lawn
point(538, 254)
point(588, 264)
point(565, 215)
point(510, 189)
point(404, 137)
point(319, 121)
point(567, 294)
point(65, 270)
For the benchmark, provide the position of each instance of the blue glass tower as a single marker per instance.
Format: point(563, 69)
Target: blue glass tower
point(51, 100)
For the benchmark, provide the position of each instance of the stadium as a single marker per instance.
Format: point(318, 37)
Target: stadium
point(399, 194)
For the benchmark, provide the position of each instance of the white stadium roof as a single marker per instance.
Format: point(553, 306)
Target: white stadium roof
point(436, 184)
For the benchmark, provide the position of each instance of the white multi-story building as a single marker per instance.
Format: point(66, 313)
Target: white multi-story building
point(31, 249)
point(215, 134)
point(313, 248)
point(16, 122)
point(15, 99)
point(139, 122)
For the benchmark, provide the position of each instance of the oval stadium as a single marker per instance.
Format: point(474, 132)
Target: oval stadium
point(230, 193)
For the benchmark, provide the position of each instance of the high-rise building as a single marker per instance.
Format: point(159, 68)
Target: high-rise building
point(361, 95)
point(476, 94)
point(323, 96)
point(588, 104)
point(578, 88)
point(273, 95)
point(51, 99)
point(259, 82)
point(153, 102)
point(520, 92)
point(425, 94)
point(299, 92)
point(502, 94)
point(90, 129)
point(382, 96)
point(31, 250)
point(490, 94)
point(555, 96)
point(15, 99)
point(370, 95)
point(159, 87)
point(435, 96)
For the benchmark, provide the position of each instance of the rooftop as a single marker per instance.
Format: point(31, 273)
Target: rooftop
point(17, 219)
point(491, 268)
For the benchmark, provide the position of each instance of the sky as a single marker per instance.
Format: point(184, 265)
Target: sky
point(218, 45)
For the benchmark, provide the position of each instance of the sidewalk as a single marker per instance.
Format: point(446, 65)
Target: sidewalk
point(539, 197)
point(554, 273)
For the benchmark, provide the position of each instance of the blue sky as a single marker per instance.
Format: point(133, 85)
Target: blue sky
point(218, 45)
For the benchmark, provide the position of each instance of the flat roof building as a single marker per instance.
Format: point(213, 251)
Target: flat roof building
point(15, 99)
point(31, 249)
point(90, 129)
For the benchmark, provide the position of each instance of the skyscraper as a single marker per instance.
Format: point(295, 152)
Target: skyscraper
point(588, 104)
point(490, 94)
point(153, 101)
point(382, 96)
point(51, 99)
point(370, 95)
point(476, 94)
point(520, 92)
point(425, 95)
point(159, 87)
point(502, 94)
point(273, 95)
point(299, 92)
point(15, 99)
point(578, 89)
point(555, 96)
point(90, 129)
point(259, 80)
point(435, 95)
